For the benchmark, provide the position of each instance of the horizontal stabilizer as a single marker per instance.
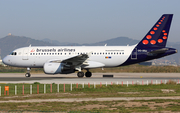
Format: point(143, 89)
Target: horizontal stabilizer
point(158, 51)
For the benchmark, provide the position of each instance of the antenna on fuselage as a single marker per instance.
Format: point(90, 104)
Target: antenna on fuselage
point(30, 45)
point(105, 45)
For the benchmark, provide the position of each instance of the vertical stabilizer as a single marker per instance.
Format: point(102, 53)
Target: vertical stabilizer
point(158, 34)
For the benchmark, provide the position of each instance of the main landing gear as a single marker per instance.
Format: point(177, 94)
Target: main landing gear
point(28, 72)
point(80, 74)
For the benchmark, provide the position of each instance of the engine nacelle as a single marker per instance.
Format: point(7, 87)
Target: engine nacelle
point(57, 68)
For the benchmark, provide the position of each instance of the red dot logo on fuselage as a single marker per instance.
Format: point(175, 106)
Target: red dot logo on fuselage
point(32, 50)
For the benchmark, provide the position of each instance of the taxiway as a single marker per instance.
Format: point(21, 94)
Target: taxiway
point(118, 78)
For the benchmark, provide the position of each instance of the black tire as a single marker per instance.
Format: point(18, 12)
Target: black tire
point(80, 74)
point(88, 74)
point(27, 75)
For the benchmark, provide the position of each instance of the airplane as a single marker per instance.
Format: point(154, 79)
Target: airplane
point(68, 59)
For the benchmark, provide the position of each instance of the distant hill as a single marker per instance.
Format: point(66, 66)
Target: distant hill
point(10, 43)
point(55, 42)
point(119, 41)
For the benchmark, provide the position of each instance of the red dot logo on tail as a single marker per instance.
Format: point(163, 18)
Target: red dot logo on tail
point(153, 42)
point(148, 36)
point(160, 40)
point(152, 32)
point(155, 28)
point(157, 25)
point(145, 42)
point(164, 37)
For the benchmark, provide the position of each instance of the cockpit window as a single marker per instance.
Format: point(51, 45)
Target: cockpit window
point(13, 53)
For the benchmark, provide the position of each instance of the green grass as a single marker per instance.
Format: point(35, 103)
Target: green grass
point(91, 92)
point(93, 106)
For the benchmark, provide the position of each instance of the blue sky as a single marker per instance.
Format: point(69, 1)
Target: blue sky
point(83, 21)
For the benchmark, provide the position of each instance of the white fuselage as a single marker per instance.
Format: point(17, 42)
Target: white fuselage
point(109, 56)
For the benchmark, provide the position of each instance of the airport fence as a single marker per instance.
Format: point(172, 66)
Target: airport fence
point(37, 88)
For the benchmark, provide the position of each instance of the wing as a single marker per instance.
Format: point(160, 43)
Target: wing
point(75, 61)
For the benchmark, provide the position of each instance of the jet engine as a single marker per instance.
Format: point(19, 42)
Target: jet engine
point(57, 68)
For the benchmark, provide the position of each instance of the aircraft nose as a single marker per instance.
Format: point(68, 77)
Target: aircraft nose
point(5, 60)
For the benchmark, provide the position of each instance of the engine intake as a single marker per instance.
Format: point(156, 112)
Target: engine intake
point(57, 68)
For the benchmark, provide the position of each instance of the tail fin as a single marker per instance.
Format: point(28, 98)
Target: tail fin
point(158, 34)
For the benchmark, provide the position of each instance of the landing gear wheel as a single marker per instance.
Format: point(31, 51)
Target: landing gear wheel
point(88, 74)
point(80, 74)
point(27, 74)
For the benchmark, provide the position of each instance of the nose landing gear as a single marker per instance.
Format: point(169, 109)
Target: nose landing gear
point(28, 72)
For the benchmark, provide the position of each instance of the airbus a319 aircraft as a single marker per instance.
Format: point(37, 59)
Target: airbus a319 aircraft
point(68, 59)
